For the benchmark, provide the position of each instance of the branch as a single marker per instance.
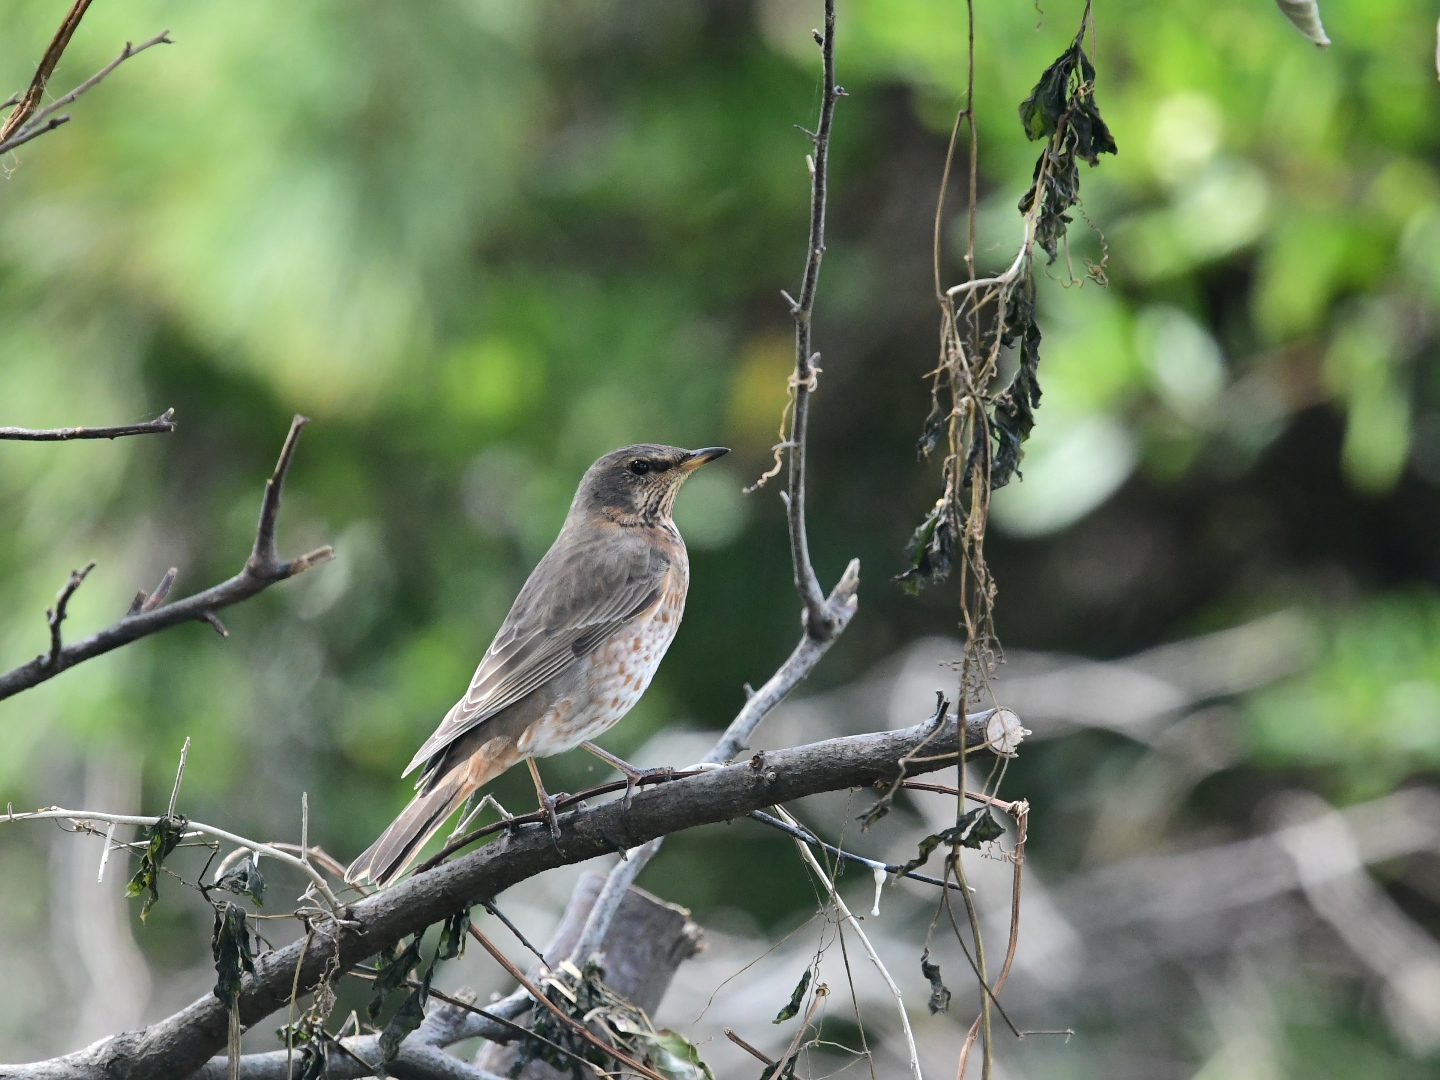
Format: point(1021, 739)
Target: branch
point(165, 422)
point(83, 818)
point(25, 123)
point(183, 1043)
point(36, 90)
point(260, 571)
point(820, 623)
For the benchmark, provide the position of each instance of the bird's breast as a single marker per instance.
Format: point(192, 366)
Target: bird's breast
point(615, 676)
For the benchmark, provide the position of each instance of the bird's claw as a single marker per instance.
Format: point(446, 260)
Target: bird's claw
point(635, 779)
point(552, 818)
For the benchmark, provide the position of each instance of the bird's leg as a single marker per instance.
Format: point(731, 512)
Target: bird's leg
point(633, 776)
point(547, 802)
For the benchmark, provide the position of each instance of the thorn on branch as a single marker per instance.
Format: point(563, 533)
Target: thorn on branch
point(55, 616)
point(214, 620)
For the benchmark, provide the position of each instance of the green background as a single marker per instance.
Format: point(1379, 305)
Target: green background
point(481, 242)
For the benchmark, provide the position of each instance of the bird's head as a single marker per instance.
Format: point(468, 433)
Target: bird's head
point(638, 484)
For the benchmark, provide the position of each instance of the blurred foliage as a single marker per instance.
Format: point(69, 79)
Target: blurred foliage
point(483, 241)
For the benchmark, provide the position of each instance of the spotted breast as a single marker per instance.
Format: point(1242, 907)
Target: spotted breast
point(616, 674)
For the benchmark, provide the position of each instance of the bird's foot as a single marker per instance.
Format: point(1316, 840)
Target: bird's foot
point(637, 777)
point(552, 818)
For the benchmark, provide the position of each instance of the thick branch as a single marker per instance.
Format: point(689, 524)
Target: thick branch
point(261, 571)
point(179, 1045)
point(165, 422)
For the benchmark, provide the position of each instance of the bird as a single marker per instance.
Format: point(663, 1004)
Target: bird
point(576, 652)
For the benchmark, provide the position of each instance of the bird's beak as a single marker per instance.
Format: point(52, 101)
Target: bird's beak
point(702, 457)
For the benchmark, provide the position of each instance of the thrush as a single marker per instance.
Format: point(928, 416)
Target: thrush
point(576, 652)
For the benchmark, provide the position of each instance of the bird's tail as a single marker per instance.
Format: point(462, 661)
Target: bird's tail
point(386, 859)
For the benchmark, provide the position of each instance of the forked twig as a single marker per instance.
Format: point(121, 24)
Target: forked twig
point(260, 571)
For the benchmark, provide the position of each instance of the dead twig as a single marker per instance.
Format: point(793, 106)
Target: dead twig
point(163, 423)
point(261, 570)
point(29, 121)
point(56, 615)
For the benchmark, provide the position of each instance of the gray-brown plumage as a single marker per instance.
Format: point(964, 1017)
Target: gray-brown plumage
point(574, 655)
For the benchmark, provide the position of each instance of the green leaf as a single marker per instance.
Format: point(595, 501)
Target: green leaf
point(796, 998)
point(939, 992)
point(230, 946)
point(244, 880)
point(162, 838)
point(974, 829)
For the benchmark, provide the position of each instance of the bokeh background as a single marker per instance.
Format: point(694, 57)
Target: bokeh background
point(481, 242)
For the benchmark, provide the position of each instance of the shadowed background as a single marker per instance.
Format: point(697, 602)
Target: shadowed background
point(481, 242)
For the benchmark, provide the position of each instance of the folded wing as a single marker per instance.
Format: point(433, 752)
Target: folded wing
point(565, 610)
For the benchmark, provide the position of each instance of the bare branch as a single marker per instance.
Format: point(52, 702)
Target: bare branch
point(162, 38)
point(25, 123)
point(820, 619)
point(30, 100)
point(183, 1043)
point(165, 422)
point(261, 571)
point(56, 615)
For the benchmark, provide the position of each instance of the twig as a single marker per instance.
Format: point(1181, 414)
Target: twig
point(179, 776)
point(56, 615)
point(845, 915)
point(1021, 812)
point(30, 126)
point(36, 90)
point(149, 602)
point(85, 817)
point(800, 833)
point(162, 38)
point(163, 423)
point(738, 1041)
point(261, 571)
point(489, 905)
point(821, 623)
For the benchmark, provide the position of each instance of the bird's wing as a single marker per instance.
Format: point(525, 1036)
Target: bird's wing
point(577, 596)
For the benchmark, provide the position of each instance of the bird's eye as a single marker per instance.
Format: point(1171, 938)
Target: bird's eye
point(639, 467)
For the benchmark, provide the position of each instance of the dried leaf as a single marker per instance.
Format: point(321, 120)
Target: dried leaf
point(931, 549)
point(393, 971)
point(162, 838)
point(939, 993)
point(407, 1018)
point(1304, 15)
point(452, 936)
point(671, 1055)
point(781, 1070)
point(1062, 109)
point(974, 829)
point(793, 1008)
point(244, 880)
point(1014, 413)
point(230, 946)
